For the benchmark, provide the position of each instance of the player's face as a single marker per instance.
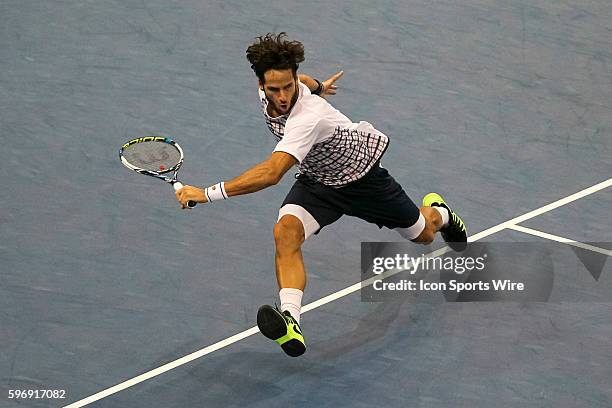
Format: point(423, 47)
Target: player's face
point(280, 89)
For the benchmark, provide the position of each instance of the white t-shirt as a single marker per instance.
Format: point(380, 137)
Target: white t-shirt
point(329, 147)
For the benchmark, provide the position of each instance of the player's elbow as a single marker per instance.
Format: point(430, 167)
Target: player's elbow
point(268, 178)
point(277, 166)
point(273, 178)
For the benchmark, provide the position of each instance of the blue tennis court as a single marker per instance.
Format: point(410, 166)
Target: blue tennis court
point(108, 289)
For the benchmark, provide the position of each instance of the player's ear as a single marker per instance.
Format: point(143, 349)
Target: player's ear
point(261, 85)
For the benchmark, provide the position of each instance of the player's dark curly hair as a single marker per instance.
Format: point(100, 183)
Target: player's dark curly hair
point(273, 51)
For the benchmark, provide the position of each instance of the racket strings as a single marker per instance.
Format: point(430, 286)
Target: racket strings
point(153, 156)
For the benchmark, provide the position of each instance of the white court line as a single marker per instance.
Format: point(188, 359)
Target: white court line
point(541, 210)
point(560, 239)
point(330, 298)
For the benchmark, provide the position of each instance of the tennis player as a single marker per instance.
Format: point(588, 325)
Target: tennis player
point(339, 174)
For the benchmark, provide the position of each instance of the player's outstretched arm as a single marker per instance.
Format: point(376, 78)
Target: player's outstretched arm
point(262, 175)
point(328, 87)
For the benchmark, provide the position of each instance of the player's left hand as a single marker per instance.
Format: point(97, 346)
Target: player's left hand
point(328, 85)
point(190, 193)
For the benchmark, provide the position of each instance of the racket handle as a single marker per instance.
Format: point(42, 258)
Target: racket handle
point(177, 186)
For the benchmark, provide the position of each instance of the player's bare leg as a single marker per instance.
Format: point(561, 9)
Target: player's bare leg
point(282, 325)
point(289, 237)
point(433, 224)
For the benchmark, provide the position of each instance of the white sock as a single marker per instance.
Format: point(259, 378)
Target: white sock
point(444, 213)
point(291, 300)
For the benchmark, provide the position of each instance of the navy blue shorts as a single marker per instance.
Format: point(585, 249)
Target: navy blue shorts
point(375, 198)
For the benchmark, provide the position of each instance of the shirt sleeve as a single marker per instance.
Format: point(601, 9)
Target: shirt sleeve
point(299, 138)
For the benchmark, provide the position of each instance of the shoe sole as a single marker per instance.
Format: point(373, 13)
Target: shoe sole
point(272, 325)
point(457, 246)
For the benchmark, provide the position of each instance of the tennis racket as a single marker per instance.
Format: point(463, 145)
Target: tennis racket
point(155, 156)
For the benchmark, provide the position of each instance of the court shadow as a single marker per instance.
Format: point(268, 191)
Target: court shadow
point(370, 329)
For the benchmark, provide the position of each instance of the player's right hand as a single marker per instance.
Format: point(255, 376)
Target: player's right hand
point(190, 193)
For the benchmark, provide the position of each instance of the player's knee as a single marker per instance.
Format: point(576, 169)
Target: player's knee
point(288, 232)
point(426, 237)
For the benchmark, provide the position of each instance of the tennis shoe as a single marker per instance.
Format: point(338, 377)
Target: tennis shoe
point(282, 328)
point(454, 233)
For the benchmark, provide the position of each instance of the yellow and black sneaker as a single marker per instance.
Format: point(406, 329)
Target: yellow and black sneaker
point(282, 328)
point(455, 233)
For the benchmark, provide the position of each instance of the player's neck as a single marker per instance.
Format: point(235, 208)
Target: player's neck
point(272, 112)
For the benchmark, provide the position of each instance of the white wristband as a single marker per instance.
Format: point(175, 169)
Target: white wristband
point(215, 192)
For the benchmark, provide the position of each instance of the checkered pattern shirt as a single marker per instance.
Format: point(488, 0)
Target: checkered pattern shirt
point(344, 157)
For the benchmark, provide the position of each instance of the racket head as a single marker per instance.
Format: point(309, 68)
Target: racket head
point(152, 155)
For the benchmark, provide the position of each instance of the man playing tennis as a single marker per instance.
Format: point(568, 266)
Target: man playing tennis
point(340, 173)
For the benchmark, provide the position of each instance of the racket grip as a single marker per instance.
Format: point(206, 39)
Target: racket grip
point(177, 186)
